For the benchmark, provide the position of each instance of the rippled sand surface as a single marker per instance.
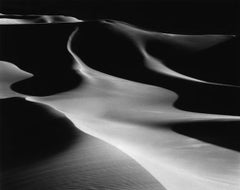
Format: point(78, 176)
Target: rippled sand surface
point(138, 109)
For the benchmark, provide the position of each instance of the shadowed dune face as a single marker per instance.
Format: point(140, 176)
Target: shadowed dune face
point(215, 64)
point(31, 132)
point(114, 53)
point(41, 50)
point(128, 85)
point(223, 134)
point(122, 50)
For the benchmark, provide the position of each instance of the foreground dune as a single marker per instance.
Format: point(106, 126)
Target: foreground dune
point(131, 97)
point(48, 152)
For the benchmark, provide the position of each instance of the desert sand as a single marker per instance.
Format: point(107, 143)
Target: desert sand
point(130, 105)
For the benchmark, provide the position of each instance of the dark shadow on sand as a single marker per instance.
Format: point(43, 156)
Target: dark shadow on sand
point(215, 64)
point(224, 133)
point(41, 50)
point(31, 132)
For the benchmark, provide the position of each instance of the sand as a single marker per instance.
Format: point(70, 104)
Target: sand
point(131, 107)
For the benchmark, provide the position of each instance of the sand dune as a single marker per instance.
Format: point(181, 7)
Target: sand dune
point(36, 19)
point(137, 100)
point(41, 149)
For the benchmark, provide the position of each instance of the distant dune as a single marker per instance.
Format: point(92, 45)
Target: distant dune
point(154, 110)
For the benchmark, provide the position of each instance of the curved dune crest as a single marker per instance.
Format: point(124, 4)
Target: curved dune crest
point(192, 42)
point(10, 74)
point(36, 19)
point(184, 44)
point(121, 102)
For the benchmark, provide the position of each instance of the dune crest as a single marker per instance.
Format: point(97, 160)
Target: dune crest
point(9, 74)
point(36, 19)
